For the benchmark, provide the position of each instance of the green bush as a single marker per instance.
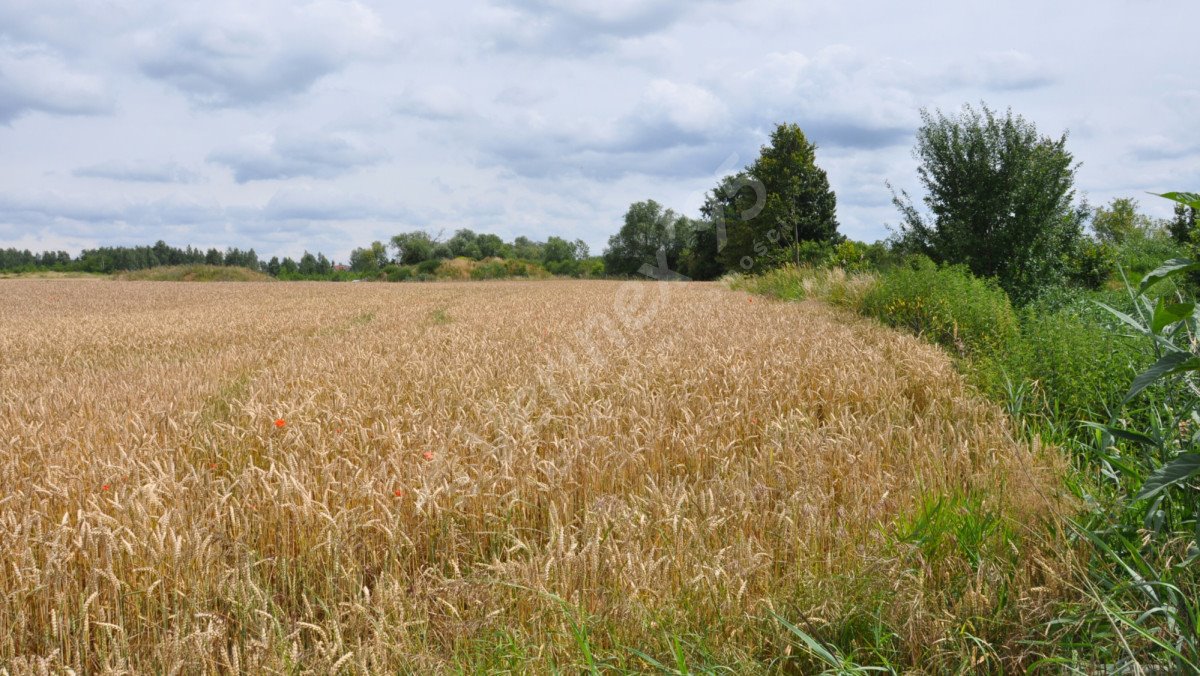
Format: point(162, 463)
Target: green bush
point(1140, 255)
point(1092, 265)
point(490, 270)
point(850, 256)
point(430, 266)
point(398, 273)
point(516, 268)
point(1081, 368)
point(947, 305)
point(1068, 364)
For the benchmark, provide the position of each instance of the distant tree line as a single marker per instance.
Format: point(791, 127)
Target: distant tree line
point(422, 251)
point(124, 259)
point(399, 259)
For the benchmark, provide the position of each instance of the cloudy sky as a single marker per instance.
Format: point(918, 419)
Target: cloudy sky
point(321, 125)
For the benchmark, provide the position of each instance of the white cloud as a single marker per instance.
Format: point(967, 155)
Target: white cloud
point(839, 96)
point(36, 79)
point(436, 102)
point(1002, 71)
point(322, 203)
point(578, 27)
point(289, 154)
point(235, 54)
point(146, 171)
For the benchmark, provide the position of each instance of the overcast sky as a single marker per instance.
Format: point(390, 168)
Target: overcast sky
point(323, 125)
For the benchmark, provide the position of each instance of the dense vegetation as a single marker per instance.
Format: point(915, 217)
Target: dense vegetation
point(1097, 358)
point(194, 273)
point(417, 256)
point(768, 213)
point(107, 260)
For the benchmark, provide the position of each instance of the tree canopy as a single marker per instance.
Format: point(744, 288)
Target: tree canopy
point(1000, 195)
point(797, 204)
point(650, 235)
point(1120, 222)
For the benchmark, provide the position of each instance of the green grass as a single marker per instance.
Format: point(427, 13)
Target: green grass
point(1059, 361)
point(946, 305)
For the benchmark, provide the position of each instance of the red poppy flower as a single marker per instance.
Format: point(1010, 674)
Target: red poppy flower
point(399, 492)
point(428, 455)
point(104, 487)
point(280, 422)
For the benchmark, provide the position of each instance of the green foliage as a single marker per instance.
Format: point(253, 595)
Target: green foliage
point(194, 273)
point(1182, 227)
point(502, 269)
point(490, 270)
point(526, 249)
point(1076, 367)
point(465, 244)
point(651, 236)
point(491, 246)
point(1120, 222)
point(1142, 254)
point(370, 259)
point(852, 256)
point(398, 273)
point(828, 659)
point(12, 259)
point(734, 200)
point(429, 266)
point(1145, 526)
point(1000, 197)
point(314, 266)
point(831, 285)
point(1066, 356)
point(797, 202)
point(515, 268)
point(107, 260)
point(956, 526)
point(811, 254)
point(948, 305)
point(557, 250)
point(1093, 264)
point(413, 247)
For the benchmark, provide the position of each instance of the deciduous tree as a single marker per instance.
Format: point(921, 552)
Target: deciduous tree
point(1000, 198)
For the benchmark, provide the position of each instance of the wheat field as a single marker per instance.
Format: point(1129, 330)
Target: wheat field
point(531, 476)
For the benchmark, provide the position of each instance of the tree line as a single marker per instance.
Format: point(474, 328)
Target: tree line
point(1000, 199)
point(750, 221)
point(107, 260)
point(420, 250)
point(406, 250)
